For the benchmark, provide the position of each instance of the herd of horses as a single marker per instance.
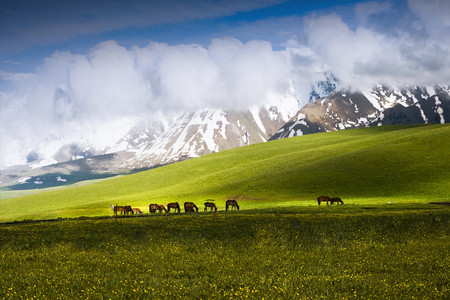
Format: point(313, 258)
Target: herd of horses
point(190, 207)
point(328, 199)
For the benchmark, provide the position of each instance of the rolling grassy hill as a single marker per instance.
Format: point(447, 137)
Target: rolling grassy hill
point(368, 165)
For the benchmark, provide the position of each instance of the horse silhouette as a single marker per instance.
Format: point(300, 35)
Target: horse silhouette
point(123, 209)
point(189, 207)
point(154, 207)
point(210, 205)
point(233, 203)
point(323, 199)
point(173, 205)
point(336, 200)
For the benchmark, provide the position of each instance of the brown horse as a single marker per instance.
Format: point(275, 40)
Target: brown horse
point(233, 203)
point(123, 209)
point(161, 208)
point(154, 207)
point(189, 207)
point(210, 205)
point(173, 205)
point(336, 200)
point(323, 199)
point(137, 211)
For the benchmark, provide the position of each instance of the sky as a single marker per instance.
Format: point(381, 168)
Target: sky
point(71, 65)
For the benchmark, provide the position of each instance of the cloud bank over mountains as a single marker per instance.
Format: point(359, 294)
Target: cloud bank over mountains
point(73, 93)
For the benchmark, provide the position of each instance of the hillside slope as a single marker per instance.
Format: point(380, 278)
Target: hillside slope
point(392, 163)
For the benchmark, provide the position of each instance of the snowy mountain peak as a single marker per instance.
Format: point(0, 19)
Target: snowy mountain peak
point(378, 106)
point(322, 88)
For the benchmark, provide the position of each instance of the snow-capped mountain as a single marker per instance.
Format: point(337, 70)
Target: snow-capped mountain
point(434, 109)
point(162, 139)
point(207, 131)
point(142, 143)
point(148, 144)
point(325, 87)
point(378, 106)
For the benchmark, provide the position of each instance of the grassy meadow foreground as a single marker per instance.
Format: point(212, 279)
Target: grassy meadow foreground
point(397, 251)
point(387, 241)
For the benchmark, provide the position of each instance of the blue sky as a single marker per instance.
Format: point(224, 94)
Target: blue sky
point(69, 67)
point(33, 30)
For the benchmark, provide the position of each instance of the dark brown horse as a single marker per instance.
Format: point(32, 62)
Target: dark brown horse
point(233, 203)
point(123, 209)
point(154, 207)
point(323, 199)
point(189, 207)
point(211, 205)
point(336, 200)
point(161, 208)
point(173, 205)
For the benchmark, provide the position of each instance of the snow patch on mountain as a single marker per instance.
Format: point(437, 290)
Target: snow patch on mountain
point(378, 106)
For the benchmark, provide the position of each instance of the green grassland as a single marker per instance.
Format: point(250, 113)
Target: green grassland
point(300, 252)
point(386, 242)
point(369, 165)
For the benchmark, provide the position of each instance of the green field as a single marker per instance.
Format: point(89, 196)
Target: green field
point(395, 164)
point(397, 251)
point(386, 242)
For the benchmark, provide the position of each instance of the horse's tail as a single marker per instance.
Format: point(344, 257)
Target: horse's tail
point(196, 208)
point(237, 205)
point(163, 208)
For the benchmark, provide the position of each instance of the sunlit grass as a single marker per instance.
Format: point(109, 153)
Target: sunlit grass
point(338, 252)
point(385, 242)
point(393, 164)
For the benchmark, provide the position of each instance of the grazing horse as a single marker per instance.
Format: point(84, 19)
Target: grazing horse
point(210, 205)
point(173, 205)
point(323, 199)
point(154, 207)
point(336, 200)
point(189, 207)
point(233, 203)
point(123, 209)
point(137, 211)
point(161, 208)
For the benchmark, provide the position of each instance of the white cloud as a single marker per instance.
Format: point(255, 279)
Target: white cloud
point(71, 94)
point(435, 14)
point(364, 56)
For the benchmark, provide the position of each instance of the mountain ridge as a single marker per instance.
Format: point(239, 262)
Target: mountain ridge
point(161, 140)
point(345, 109)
